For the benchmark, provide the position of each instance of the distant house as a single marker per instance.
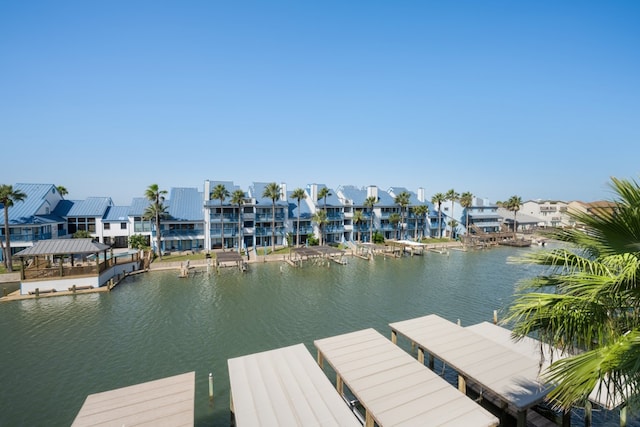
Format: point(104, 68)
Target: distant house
point(36, 218)
point(482, 216)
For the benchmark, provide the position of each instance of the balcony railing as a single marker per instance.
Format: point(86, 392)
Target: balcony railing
point(268, 217)
point(27, 237)
point(265, 231)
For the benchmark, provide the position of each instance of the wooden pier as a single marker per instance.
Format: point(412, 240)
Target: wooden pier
point(165, 402)
point(284, 387)
point(509, 375)
point(392, 387)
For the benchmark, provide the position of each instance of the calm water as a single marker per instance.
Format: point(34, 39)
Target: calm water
point(56, 351)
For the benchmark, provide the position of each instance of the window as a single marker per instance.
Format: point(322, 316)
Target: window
point(107, 226)
point(123, 226)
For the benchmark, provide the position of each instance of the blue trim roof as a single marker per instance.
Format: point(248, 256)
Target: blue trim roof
point(138, 206)
point(186, 204)
point(25, 211)
point(91, 207)
point(116, 214)
point(355, 194)
point(305, 212)
point(257, 189)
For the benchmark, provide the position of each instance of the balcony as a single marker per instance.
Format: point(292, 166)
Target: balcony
point(27, 237)
point(269, 217)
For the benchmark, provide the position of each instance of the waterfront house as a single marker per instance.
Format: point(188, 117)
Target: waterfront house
point(306, 225)
point(333, 230)
point(183, 229)
point(35, 218)
point(483, 217)
point(261, 233)
point(115, 227)
point(137, 222)
point(550, 213)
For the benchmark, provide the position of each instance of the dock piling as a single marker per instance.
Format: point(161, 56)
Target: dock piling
point(210, 388)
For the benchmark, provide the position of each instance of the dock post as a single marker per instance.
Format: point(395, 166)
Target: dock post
point(495, 317)
point(421, 355)
point(210, 387)
point(462, 384)
point(394, 337)
point(319, 359)
point(37, 292)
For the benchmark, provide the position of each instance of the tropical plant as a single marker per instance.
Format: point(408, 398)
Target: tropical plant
point(137, 241)
point(438, 199)
point(378, 237)
point(322, 195)
point(156, 210)
point(402, 200)
point(8, 197)
point(320, 218)
point(369, 203)
point(420, 211)
point(220, 193)
point(237, 198)
point(272, 191)
point(513, 205)
point(452, 196)
point(81, 234)
point(62, 190)
point(466, 201)
point(358, 218)
point(298, 194)
point(395, 219)
point(453, 224)
point(588, 305)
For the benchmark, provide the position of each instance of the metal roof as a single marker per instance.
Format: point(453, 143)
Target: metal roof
point(116, 214)
point(257, 189)
point(332, 198)
point(305, 211)
point(64, 246)
point(138, 206)
point(91, 207)
point(23, 212)
point(355, 194)
point(185, 204)
point(520, 217)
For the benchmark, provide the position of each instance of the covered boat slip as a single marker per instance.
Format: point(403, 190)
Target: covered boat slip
point(510, 375)
point(165, 402)
point(284, 387)
point(392, 387)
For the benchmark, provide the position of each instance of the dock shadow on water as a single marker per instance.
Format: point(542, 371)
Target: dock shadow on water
point(59, 350)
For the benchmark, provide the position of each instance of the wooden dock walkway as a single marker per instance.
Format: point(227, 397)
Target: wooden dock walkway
point(164, 402)
point(285, 387)
point(393, 387)
point(511, 376)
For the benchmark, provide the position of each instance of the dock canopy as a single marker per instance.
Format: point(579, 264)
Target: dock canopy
point(393, 387)
point(63, 247)
point(285, 387)
point(164, 402)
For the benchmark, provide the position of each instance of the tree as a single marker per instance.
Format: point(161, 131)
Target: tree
point(513, 205)
point(156, 210)
point(62, 190)
point(320, 218)
point(402, 200)
point(272, 191)
point(138, 241)
point(298, 194)
point(81, 234)
point(453, 224)
point(587, 304)
point(221, 193)
point(8, 197)
point(237, 198)
point(323, 194)
point(369, 203)
point(466, 201)
point(452, 196)
point(395, 219)
point(439, 199)
point(420, 211)
point(358, 218)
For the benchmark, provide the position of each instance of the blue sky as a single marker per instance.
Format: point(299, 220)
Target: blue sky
point(539, 99)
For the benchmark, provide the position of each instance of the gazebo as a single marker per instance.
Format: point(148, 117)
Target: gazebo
point(61, 264)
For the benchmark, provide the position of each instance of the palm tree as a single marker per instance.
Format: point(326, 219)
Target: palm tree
point(402, 200)
point(320, 218)
point(298, 194)
point(439, 199)
point(157, 209)
point(394, 219)
point(220, 192)
point(513, 205)
point(323, 194)
point(419, 211)
point(358, 218)
point(8, 196)
point(368, 203)
point(466, 201)
point(62, 190)
point(452, 196)
point(272, 191)
point(587, 305)
point(237, 198)
point(156, 212)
